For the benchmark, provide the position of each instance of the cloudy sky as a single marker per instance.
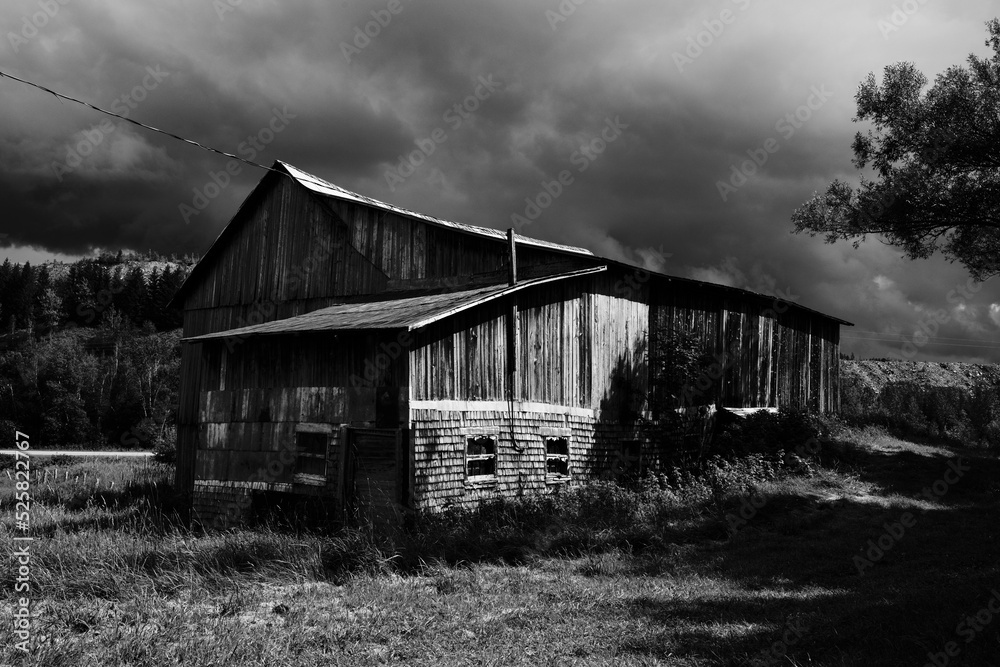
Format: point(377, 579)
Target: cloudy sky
point(472, 111)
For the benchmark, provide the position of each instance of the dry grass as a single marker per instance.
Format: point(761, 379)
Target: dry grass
point(603, 576)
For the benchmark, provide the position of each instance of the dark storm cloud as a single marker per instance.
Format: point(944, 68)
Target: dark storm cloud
point(513, 93)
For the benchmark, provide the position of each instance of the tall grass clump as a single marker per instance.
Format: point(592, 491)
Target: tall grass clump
point(123, 533)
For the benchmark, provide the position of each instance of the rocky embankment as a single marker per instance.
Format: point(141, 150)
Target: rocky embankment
point(958, 401)
point(875, 375)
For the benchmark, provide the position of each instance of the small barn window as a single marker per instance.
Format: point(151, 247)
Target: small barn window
point(310, 460)
point(481, 458)
point(557, 458)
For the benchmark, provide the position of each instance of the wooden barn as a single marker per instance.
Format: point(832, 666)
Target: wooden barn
point(372, 360)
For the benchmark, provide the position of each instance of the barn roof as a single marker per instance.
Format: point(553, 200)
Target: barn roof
point(324, 188)
point(321, 187)
point(405, 313)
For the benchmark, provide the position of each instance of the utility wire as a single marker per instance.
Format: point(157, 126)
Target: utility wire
point(135, 122)
point(883, 340)
point(885, 333)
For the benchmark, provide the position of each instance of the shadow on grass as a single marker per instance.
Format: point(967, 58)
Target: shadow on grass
point(818, 564)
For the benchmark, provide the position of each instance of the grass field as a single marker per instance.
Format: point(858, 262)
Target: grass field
point(750, 565)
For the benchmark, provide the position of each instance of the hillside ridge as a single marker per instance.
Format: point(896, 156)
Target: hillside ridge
point(875, 374)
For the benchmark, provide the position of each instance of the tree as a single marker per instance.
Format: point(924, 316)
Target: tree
point(131, 299)
point(153, 361)
point(47, 310)
point(86, 292)
point(161, 289)
point(8, 286)
point(936, 156)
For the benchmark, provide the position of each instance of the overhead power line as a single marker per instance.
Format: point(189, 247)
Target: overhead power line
point(885, 333)
point(988, 346)
point(135, 122)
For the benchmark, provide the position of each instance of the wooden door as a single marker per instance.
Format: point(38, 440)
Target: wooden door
point(377, 489)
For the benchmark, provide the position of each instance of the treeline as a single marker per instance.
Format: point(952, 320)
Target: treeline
point(90, 353)
point(966, 415)
point(66, 394)
point(31, 298)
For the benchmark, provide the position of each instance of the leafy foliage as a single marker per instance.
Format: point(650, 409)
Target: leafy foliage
point(680, 361)
point(82, 362)
point(966, 416)
point(67, 395)
point(933, 150)
point(768, 433)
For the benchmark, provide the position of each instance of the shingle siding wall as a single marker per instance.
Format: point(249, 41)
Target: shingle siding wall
point(439, 447)
point(219, 505)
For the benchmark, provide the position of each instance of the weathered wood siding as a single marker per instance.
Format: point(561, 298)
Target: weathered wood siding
point(579, 366)
point(463, 356)
point(582, 361)
point(772, 353)
point(577, 344)
point(305, 360)
point(289, 252)
point(283, 245)
point(261, 391)
point(288, 244)
point(247, 450)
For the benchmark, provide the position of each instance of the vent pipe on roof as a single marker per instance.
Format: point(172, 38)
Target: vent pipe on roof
point(511, 257)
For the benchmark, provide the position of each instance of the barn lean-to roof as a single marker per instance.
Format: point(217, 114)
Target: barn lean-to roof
point(409, 313)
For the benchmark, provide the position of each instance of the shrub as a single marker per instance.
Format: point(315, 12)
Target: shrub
point(165, 452)
point(766, 433)
point(961, 415)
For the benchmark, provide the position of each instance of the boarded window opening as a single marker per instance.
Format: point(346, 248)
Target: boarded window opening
point(311, 453)
point(557, 458)
point(481, 457)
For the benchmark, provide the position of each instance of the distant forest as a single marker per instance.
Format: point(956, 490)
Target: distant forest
point(138, 286)
point(90, 351)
